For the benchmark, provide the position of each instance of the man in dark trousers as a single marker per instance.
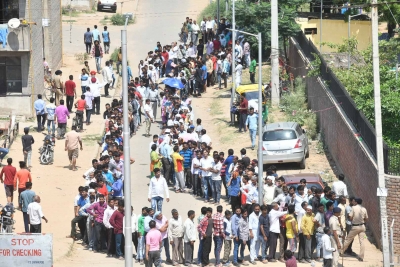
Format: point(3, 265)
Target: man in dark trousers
point(206, 230)
point(27, 142)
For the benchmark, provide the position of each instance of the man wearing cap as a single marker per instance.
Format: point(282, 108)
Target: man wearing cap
point(58, 86)
point(154, 99)
point(308, 227)
point(148, 113)
point(358, 216)
point(337, 234)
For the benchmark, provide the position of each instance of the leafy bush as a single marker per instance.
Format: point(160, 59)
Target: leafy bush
point(295, 107)
point(119, 20)
point(211, 11)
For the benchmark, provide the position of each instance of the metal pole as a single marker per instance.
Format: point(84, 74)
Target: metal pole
point(320, 29)
point(127, 169)
point(233, 58)
point(274, 54)
point(378, 130)
point(226, 8)
point(260, 124)
point(218, 14)
point(397, 70)
point(391, 244)
point(348, 44)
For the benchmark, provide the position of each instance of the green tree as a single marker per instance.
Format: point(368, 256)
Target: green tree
point(255, 16)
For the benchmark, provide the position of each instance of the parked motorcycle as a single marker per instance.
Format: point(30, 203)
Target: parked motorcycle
point(46, 151)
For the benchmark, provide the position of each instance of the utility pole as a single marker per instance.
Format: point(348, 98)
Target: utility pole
point(218, 14)
point(274, 54)
point(233, 59)
point(379, 139)
point(226, 8)
point(320, 29)
point(127, 168)
point(260, 123)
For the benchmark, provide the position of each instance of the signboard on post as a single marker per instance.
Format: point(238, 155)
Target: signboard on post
point(26, 250)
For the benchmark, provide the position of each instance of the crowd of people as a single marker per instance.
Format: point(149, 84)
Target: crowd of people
point(304, 219)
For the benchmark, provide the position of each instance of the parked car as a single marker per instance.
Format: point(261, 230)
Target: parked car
point(312, 179)
point(110, 5)
point(285, 142)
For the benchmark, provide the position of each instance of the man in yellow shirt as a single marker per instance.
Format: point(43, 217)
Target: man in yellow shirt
point(307, 226)
point(291, 229)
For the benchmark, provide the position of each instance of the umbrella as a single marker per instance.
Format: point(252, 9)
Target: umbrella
point(174, 83)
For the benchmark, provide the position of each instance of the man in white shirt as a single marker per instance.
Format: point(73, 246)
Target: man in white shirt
point(205, 138)
point(205, 166)
point(134, 227)
point(148, 113)
point(196, 172)
point(269, 190)
point(35, 215)
point(209, 28)
point(175, 236)
point(157, 187)
point(274, 229)
point(195, 32)
point(110, 230)
point(89, 104)
point(107, 78)
point(339, 187)
point(216, 179)
point(238, 73)
point(95, 87)
point(189, 237)
point(327, 247)
point(255, 240)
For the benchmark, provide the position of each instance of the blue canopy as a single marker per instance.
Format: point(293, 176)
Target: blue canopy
point(174, 83)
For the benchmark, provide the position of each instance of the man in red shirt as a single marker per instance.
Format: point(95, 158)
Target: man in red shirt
point(165, 56)
point(70, 92)
point(244, 105)
point(117, 222)
point(217, 44)
point(9, 172)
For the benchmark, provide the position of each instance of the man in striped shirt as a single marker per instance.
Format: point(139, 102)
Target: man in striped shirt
point(187, 153)
point(219, 234)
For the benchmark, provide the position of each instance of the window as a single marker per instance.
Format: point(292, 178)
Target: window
point(279, 135)
point(310, 31)
point(8, 9)
point(10, 75)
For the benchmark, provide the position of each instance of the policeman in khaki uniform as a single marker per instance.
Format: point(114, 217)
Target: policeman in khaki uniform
point(358, 216)
point(337, 234)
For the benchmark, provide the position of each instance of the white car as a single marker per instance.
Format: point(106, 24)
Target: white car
point(285, 142)
point(110, 5)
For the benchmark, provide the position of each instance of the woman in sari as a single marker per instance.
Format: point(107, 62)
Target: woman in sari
point(155, 159)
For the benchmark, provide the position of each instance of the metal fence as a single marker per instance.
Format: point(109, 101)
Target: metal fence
point(360, 122)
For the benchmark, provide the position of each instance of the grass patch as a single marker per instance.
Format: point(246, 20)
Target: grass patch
point(266, 74)
point(226, 134)
point(211, 11)
point(91, 137)
point(119, 20)
point(105, 21)
point(68, 11)
point(81, 57)
point(215, 107)
point(69, 21)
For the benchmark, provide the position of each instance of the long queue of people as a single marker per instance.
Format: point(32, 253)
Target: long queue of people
point(180, 158)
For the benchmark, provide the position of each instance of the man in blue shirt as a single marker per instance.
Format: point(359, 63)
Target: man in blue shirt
point(186, 153)
point(235, 233)
point(80, 216)
point(251, 124)
point(96, 34)
point(40, 108)
point(26, 198)
point(117, 187)
point(106, 40)
point(166, 151)
point(108, 176)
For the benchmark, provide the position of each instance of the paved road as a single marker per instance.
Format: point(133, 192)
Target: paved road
point(157, 20)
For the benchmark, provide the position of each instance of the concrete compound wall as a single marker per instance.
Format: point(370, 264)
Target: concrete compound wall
point(54, 39)
point(348, 153)
point(79, 3)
